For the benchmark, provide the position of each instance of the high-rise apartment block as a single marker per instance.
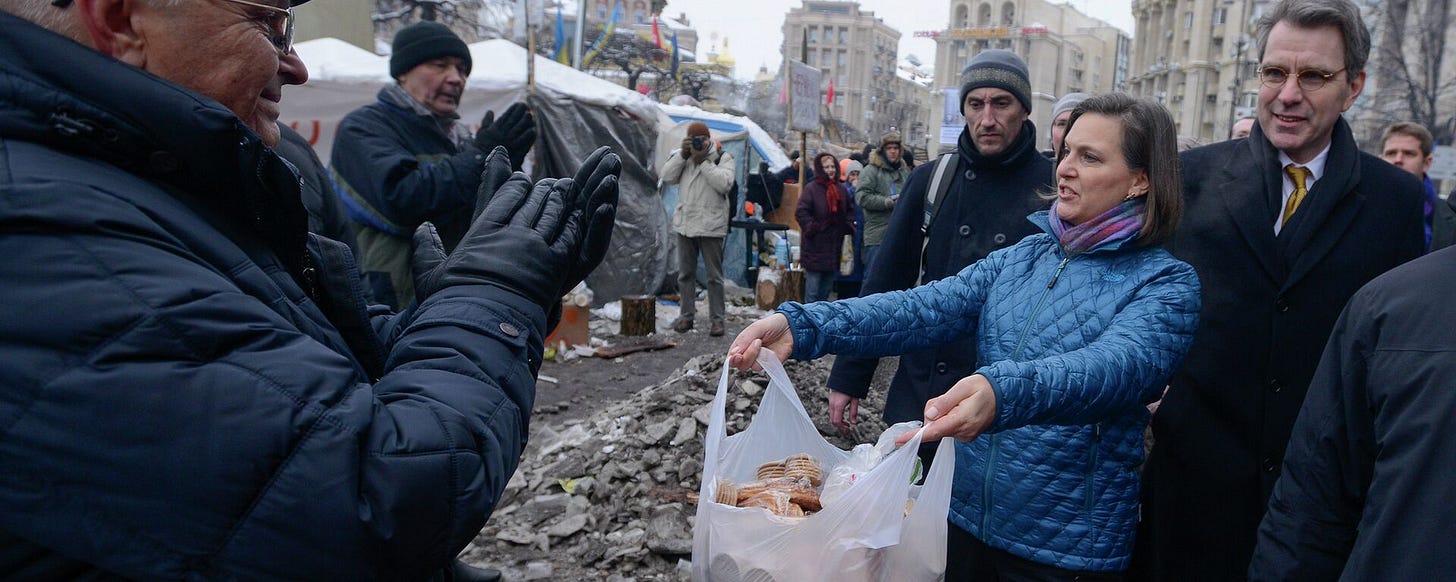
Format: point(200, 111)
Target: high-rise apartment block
point(859, 52)
point(1065, 50)
point(1198, 57)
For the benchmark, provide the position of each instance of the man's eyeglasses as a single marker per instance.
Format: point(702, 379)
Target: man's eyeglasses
point(280, 27)
point(1309, 79)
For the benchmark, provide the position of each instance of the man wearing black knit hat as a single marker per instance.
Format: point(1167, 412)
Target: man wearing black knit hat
point(993, 180)
point(406, 159)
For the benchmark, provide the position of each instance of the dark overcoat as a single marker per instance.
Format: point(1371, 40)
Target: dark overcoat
point(823, 231)
point(1269, 303)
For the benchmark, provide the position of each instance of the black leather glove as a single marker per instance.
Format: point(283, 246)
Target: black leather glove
point(687, 148)
point(523, 238)
point(594, 190)
point(515, 131)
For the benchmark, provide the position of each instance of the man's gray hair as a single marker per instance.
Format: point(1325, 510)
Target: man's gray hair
point(1341, 14)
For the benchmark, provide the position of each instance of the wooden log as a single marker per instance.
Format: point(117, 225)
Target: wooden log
point(639, 315)
point(767, 287)
point(791, 287)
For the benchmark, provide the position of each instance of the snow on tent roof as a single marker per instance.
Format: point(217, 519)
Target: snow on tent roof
point(501, 64)
point(331, 59)
point(762, 142)
point(498, 65)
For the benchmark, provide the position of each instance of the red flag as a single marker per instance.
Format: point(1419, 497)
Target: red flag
point(656, 36)
point(830, 100)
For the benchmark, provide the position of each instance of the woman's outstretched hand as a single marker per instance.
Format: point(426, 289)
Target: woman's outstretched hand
point(963, 412)
point(771, 332)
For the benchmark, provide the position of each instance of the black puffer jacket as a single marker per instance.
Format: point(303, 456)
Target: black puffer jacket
point(984, 210)
point(180, 396)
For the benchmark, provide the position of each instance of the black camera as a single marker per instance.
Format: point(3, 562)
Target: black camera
point(700, 142)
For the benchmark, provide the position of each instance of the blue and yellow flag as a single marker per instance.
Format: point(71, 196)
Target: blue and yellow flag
point(607, 31)
point(561, 56)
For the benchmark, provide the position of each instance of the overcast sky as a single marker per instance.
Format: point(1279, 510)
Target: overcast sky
point(753, 26)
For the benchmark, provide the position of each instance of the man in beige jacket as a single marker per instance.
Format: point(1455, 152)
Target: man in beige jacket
point(704, 175)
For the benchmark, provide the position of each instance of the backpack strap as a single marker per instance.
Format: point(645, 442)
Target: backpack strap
point(938, 187)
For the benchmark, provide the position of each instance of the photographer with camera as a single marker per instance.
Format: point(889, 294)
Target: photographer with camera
point(705, 175)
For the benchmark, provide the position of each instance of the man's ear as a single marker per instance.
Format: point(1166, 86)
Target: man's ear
point(110, 26)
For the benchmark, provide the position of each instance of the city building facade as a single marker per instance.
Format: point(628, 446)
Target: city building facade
point(1199, 58)
point(1065, 50)
point(859, 52)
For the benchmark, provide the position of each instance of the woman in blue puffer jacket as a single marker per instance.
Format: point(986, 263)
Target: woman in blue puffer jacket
point(1079, 328)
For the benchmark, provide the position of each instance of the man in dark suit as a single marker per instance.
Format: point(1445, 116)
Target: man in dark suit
point(1283, 227)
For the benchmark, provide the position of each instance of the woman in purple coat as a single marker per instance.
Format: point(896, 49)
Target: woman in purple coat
point(824, 217)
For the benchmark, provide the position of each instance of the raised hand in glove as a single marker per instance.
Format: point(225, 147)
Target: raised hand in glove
point(524, 238)
point(594, 190)
point(515, 131)
point(687, 148)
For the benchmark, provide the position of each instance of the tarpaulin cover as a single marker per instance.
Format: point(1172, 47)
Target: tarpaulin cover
point(575, 113)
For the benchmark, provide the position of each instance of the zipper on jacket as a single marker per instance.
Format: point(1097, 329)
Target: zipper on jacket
point(1058, 273)
point(1021, 341)
point(1039, 304)
point(1092, 464)
point(986, 490)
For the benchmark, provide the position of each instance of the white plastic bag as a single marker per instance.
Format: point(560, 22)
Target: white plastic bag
point(864, 536)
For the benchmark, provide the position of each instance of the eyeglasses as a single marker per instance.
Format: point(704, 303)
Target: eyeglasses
point(1309, 79)
point(280, 26)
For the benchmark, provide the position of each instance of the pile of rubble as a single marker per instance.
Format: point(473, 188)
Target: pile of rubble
point(611, 496)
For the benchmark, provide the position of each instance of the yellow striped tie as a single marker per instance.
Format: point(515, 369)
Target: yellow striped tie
point(1298, 174)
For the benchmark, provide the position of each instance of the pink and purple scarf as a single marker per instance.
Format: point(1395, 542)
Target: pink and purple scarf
point(1122, 222)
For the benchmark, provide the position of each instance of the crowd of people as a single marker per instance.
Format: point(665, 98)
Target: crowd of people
point(224, 359)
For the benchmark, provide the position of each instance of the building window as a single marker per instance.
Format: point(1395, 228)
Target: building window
point(962, 16)
point(639, 12)
point(1220, 15)
point(843, 58)
point(813, 34)
point(983, 15)
point(1187, 21)
point(844, 35)
point(1008, 14)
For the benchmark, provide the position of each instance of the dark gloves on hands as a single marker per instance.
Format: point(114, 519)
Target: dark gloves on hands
point(515, 131)
point(687, 148)
point(538, 241)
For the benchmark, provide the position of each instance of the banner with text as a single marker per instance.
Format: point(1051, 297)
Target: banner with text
point(804, 84)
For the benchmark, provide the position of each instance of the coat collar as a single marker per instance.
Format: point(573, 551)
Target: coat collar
point(70, 98)
point(1331, 206)
point(1020, 150)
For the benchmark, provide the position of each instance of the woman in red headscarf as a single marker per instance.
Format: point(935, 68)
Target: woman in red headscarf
point(825, 217)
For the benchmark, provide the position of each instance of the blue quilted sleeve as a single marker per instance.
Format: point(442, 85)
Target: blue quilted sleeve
point(1126, 366)
point(895, 322)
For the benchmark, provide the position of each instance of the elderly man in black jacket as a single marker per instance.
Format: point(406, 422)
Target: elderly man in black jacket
point(994, 186)
point(1283, 227)
point(191, 386)
point(406, 159)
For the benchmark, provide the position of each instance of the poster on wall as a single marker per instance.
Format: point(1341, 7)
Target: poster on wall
point(951, 120)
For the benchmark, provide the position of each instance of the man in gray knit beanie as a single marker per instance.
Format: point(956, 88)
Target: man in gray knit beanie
point(988, 85)
point(1061, 113)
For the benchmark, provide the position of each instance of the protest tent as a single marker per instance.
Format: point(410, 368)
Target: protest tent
point(575, 114)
